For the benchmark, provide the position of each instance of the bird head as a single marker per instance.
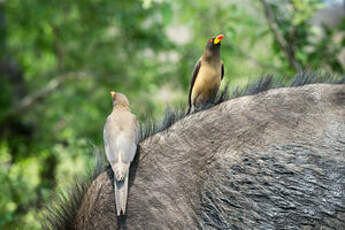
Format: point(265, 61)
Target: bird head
point(119, 99)
point(215, 41)
point(212, 51)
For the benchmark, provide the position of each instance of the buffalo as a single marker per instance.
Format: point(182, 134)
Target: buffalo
point(269, 156)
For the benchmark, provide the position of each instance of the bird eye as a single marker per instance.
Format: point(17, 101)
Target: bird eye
point(210, 40)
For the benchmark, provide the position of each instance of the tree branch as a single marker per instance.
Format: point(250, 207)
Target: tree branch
point(30, 100)
point(286, 48)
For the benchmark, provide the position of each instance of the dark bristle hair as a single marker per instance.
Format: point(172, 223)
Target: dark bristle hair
point(307, 78)
point(265, 83)
point(151, 127)
point(60, 214)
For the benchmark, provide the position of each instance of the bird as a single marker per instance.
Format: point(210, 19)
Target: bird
point(120, 134)
point(207, 75)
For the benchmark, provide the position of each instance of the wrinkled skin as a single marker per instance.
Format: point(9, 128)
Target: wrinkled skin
point(275, 160)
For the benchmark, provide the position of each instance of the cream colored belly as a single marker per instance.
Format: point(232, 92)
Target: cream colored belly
point(206, 85)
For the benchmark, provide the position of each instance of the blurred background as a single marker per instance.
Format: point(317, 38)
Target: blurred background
point(59, 60)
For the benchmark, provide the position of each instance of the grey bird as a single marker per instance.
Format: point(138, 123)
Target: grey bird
point(120, 136)
point(207, 75)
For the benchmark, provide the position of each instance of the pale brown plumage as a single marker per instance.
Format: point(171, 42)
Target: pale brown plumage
point(207, 75)
point(120, 136)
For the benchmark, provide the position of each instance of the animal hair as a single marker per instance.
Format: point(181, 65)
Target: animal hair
point(265, 83)
point(218, 199)
point(60, 213)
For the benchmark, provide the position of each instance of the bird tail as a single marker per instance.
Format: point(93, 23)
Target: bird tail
point(121, 190)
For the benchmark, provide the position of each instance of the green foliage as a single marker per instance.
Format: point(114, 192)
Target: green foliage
point(313, 47)
point(145, 49)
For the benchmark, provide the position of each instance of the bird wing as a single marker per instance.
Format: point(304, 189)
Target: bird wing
point(222, 75)
point(110, 132)
point(131, 139)
point(121, 137)
point(195, 74)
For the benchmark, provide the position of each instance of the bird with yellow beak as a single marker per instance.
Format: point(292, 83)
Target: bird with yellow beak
point(120, 134)
point(207, 75)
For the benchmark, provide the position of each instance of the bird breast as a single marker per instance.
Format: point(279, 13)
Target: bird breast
point(208, 79)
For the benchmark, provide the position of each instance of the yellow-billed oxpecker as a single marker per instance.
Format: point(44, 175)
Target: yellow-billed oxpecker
point(120, 136)
point(207, 75)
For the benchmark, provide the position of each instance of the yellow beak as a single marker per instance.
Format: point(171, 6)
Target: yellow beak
point(112, 93)
point(218, 39)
